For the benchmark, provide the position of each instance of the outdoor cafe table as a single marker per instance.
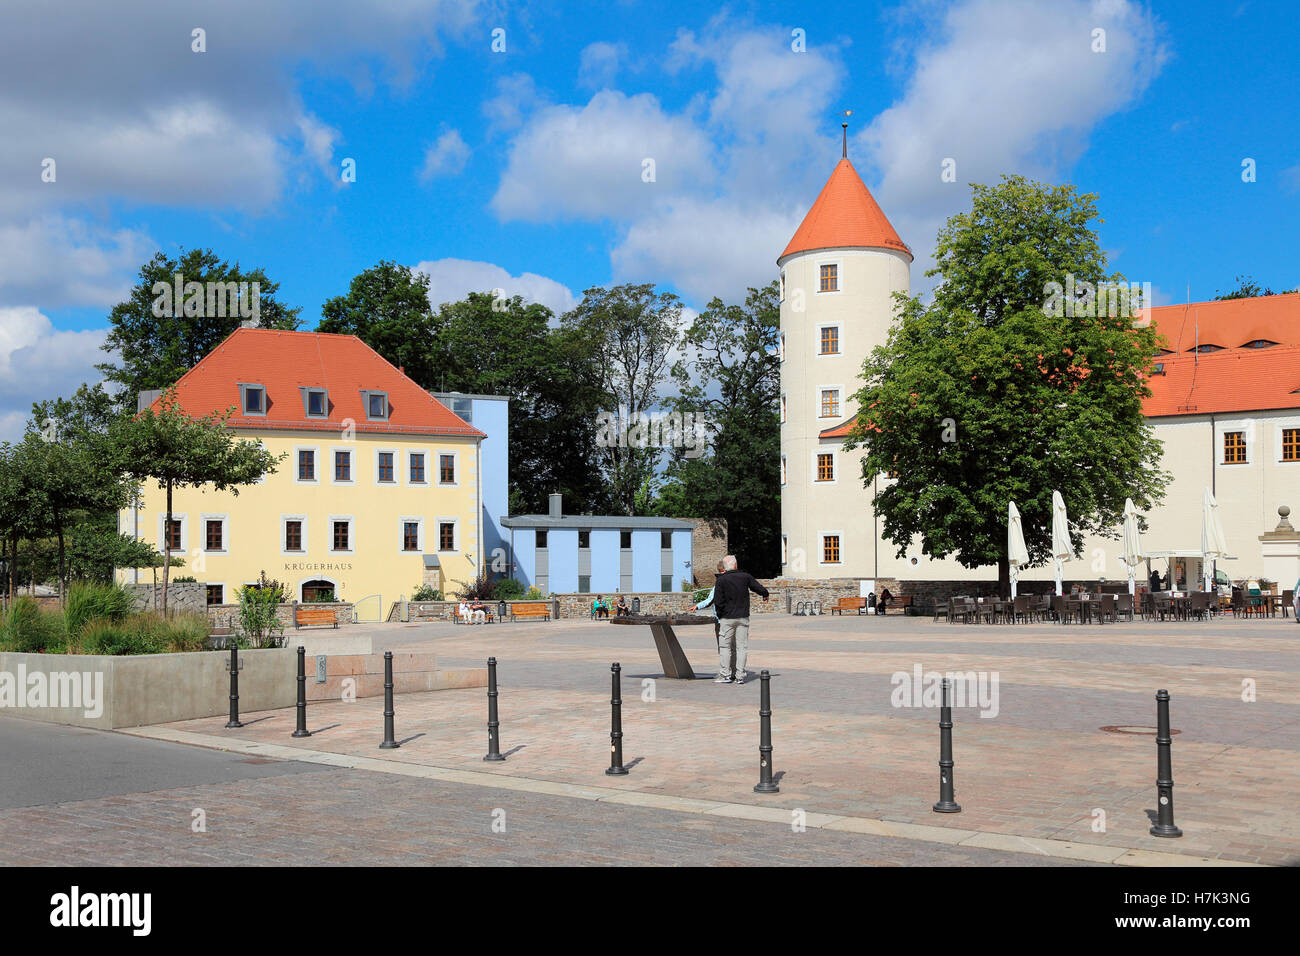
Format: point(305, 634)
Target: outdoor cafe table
point(670, 650)
point(1087, 606)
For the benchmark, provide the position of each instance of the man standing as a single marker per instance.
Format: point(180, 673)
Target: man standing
point(709, 602)
point(731, 603)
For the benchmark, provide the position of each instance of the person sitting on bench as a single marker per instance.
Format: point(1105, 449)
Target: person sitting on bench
point(599, 608)
point(621, 608)
point(882, 605)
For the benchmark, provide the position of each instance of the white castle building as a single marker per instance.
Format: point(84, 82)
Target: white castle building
point(1226, 404)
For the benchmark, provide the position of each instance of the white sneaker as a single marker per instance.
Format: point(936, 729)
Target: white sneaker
point(739, 679)
point(721, 680)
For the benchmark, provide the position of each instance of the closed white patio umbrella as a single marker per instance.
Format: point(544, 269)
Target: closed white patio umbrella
point(1132, 543)
point(1213, 544)
point(1060, 537)
point(1017, 553)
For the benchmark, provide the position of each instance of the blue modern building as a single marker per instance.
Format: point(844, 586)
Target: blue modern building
point(559, 553)
point(599, 554)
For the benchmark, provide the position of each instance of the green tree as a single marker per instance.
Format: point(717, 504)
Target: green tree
point(160, 337)
point(988, 395)
point(170, 447)
point(730, 374)
point(1247, 288)
point(387, 307)
point(628, 333)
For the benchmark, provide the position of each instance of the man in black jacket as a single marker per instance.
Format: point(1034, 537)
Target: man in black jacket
point(731, 599)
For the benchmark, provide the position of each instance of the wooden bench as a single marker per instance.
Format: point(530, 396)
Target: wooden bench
point(314, 616)
point(902, 602)
point(858, 604)
point(530, 611)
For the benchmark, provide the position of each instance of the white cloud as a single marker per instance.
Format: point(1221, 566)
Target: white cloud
point(58, 261)
point(517, 96)
point(445, 157)
point(598, 64)
point(38, 362)
point(1003, 87)
point(450, 280)
point(587, 162)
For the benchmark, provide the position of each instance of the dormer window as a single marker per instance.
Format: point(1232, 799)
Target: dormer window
point(315, 402)
point(1259, 344)
point(1207, 348)
point(252, 399)
point(376, 405)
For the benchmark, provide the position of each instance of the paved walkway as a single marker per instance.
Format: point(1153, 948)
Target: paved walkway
point(1042, 770)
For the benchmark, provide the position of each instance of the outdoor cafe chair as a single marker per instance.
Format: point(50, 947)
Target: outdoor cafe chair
point(1124, 607)
point(1288, 602)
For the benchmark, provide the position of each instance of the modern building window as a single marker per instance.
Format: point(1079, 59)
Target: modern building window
point(830, 340)
point(541, 538)
point(625, 540)
point(343, 466)
point(584, 583)
point(315, 403)
point(384, 468)
point(825, 466)
point(214, 535)
point(293, 535)
point(447, 469)
point(252, 399)
point(665, 540)
point(830, 549)
point(410, 536)
point(665, 582)
point(306, 464)
point(464, 409)
point(216, 593)
point(1234, 448)
point(1291, 444)
point(446, 536)
point(341, 535)
point(174, 537)
point(416, 469)
point(828, 278)
point(376, 405)
point(584, 539)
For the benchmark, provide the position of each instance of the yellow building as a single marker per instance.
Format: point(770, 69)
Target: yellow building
point(379, 491)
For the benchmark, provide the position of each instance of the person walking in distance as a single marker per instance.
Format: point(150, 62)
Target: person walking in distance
point(731, 604)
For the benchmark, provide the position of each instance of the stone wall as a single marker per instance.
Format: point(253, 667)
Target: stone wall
point(785, 595)
point(185, 596)
point(708, 545)
point(224, 616)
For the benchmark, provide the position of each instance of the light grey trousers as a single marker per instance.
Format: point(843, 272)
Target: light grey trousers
point(733, 637)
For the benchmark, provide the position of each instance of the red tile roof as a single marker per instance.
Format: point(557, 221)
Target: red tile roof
point(1239, 380)
point(845, 215)
point(1230, 323)
point(842, 430)
point(284, 362)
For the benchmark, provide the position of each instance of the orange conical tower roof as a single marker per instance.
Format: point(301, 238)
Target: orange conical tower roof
point(845, 214)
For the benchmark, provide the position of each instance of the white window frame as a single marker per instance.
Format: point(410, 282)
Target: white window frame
point(397, 467)
point(784, 470)
point(225, 534)
point(839, 275)
point(352, 467)
point(352, 536)
point(420, 541)
point(306, 542)
point(455, 464)
point(835, 467)
point(428, 458)
point(785, 549)
point(839, 340)
point(821, 549)
point(783, 408)
point(160, 539)
point(1249, 428)
point(315, 468)
point(782, 299)
point(780, 347)
point(1279, 425)
point(225, 592)
point(455, 534)
point(839, 400)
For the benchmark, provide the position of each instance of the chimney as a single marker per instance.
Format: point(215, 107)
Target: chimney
point(556, 509)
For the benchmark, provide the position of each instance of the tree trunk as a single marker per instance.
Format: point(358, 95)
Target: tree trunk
point(1004, 577)
point(167, 548)
point(63, 574)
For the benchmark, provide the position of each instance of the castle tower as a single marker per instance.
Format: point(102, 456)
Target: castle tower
point(838, 276)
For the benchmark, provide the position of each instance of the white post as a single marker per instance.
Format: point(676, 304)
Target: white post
point(1015, 576)
point(1059, 591)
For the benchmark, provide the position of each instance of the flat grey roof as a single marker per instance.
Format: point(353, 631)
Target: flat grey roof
point(595, 521)
point(490, 398)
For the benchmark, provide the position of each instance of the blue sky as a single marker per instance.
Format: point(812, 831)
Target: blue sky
point(522, 169)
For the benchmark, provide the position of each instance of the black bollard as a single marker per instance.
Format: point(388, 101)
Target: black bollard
point(390, 743)
point(1164, 771)
point(946, 803)
point(234, 686)
point(494, 725)
point(301, 730)
point(765, 783)
point(616, 768)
